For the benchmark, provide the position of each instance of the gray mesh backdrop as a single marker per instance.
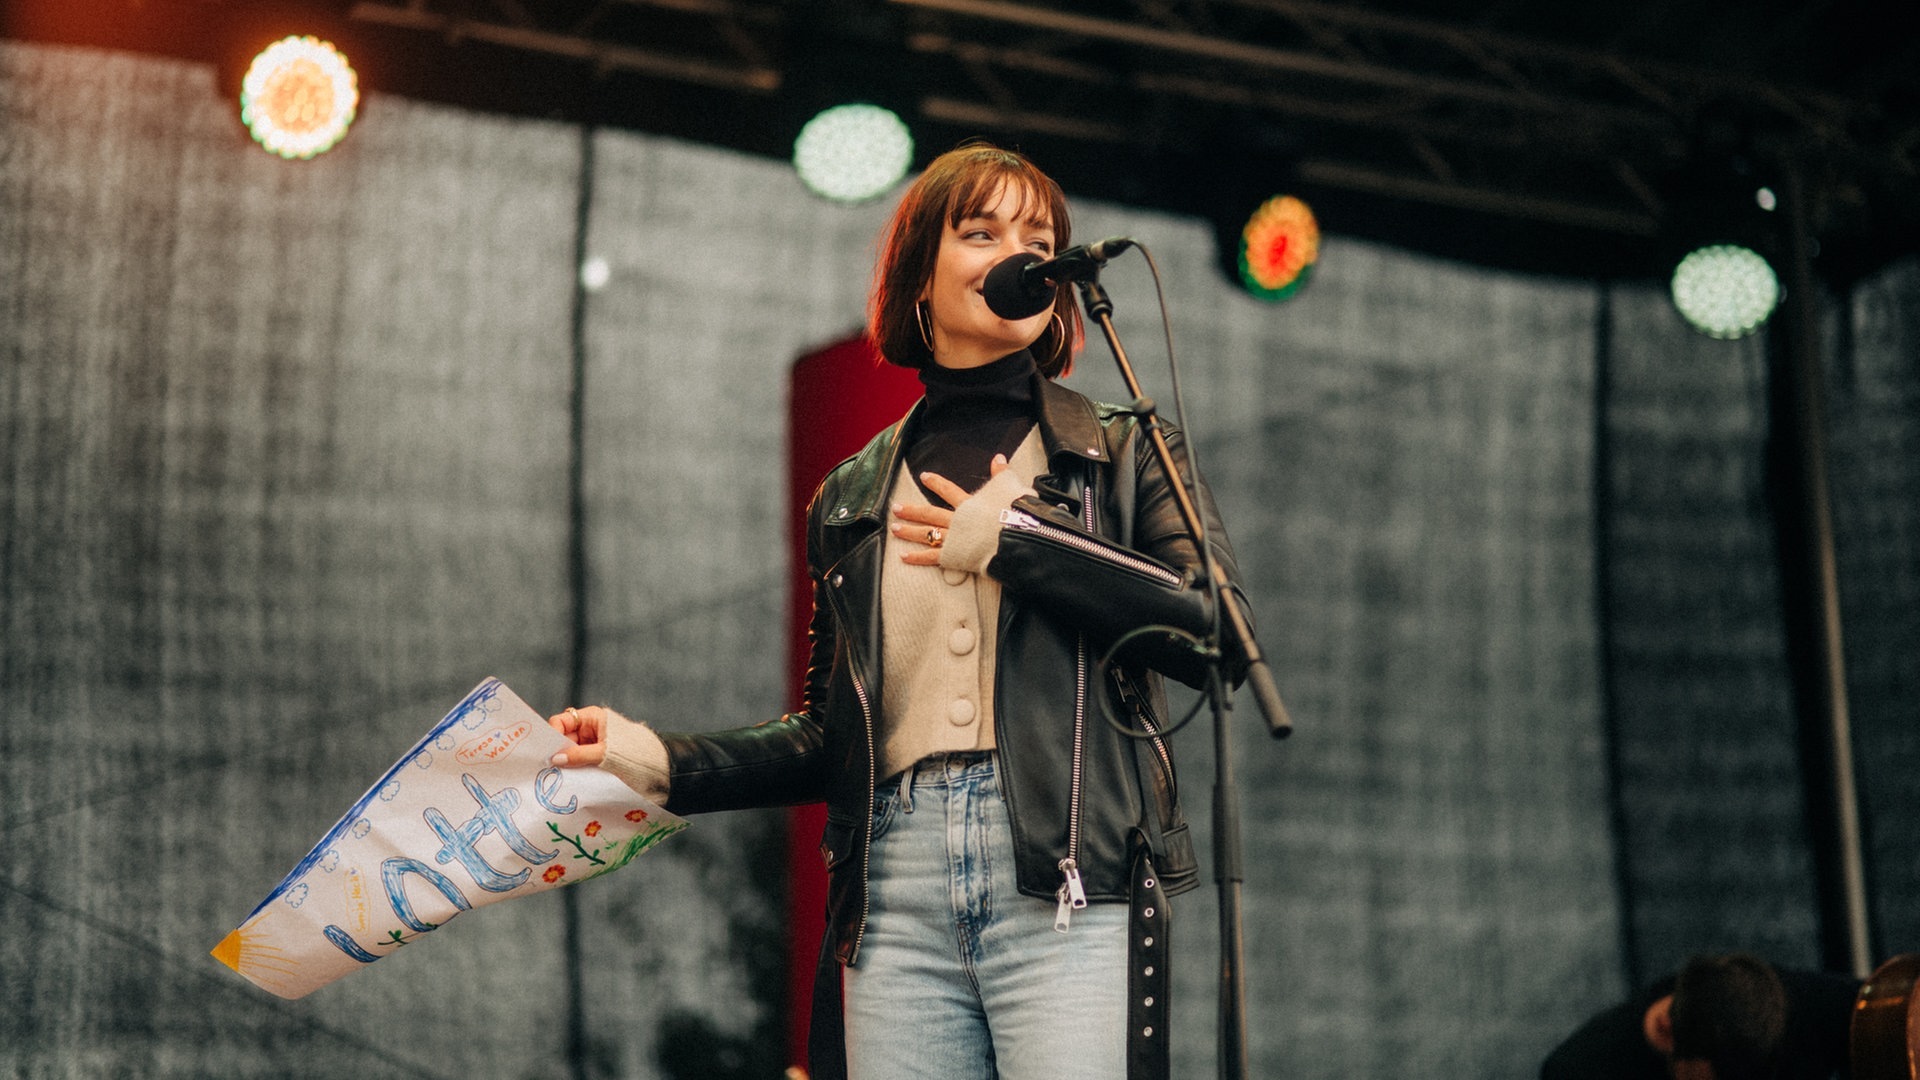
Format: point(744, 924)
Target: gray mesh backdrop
point(285, 458)
point(1713, 810)
point(286, 461)
point(722, 271)
point(1712, 802)
point(1874, 400)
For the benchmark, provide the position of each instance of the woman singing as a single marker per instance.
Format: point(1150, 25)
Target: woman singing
point(999, 856)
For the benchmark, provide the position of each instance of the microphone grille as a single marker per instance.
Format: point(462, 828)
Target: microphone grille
point(1008, 294)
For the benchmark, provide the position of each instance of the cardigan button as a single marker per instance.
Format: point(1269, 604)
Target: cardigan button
point(960, 712)
point(960, 642)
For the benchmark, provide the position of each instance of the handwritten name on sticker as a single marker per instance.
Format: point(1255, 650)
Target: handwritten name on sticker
point(494, 745)
point(356, 901)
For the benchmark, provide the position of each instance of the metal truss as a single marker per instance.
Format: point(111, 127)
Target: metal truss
point(710, 43)
point(1393, 106)
point(1347, 98)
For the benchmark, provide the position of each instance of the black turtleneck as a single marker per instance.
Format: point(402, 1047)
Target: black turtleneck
point(970, 415)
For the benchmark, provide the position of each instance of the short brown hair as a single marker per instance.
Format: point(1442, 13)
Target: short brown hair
point(1730, 1010)
point(954, 187)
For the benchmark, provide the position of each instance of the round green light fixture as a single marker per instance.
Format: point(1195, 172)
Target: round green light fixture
point(1725, 291)
point(852, 153)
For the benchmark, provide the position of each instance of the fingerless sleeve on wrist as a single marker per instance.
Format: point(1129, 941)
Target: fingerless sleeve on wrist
point(974, 536)
point(637, 756)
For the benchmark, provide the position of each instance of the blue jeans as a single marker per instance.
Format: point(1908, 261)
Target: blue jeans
point(959, 976)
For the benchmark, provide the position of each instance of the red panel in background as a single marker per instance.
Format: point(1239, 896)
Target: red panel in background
point(839, 396)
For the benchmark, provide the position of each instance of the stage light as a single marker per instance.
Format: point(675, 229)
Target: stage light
point(851, 153)
point(1725, 291)
point(595, 273)
point(1278, 247)
point(298, 97)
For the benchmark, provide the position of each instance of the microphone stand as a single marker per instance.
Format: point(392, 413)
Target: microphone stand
point(1228, 874)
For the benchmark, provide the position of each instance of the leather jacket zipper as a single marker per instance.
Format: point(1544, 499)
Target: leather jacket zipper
point(866, 834)
point(1072, 893)
point(1025, 522)
point(1143, 710)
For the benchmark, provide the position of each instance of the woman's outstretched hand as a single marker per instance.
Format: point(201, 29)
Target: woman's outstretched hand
point(926, 524)
point(585, 729)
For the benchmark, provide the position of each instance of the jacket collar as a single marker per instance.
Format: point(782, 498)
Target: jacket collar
point(1068, 426)
point(1068, 423)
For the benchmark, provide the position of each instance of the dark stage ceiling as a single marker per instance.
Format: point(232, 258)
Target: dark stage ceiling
point(1592, 140)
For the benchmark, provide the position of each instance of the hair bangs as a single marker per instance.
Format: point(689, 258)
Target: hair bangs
point(1033, 195)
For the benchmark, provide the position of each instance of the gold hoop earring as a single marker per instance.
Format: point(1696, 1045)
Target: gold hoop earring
point(1059, 334)
point(920, 317)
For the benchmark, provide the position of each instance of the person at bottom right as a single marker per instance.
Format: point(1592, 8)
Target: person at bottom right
point(1720, 1017)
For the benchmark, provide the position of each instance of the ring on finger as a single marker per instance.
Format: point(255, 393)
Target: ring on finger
point(936, 537)
point(573, 712)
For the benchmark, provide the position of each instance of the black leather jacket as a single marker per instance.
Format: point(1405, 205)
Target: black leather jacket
point(1100, 550)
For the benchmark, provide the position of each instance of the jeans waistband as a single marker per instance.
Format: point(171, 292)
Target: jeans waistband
point(951, 763)
point(943, 770)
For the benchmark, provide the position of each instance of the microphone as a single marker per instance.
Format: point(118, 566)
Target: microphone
point(1023, 285)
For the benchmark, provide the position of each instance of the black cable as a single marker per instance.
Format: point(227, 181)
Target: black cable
point(577, 580)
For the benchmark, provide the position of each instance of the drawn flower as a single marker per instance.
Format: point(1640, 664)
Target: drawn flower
point(593, 828)
point(554, 873)
point(634, 815)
